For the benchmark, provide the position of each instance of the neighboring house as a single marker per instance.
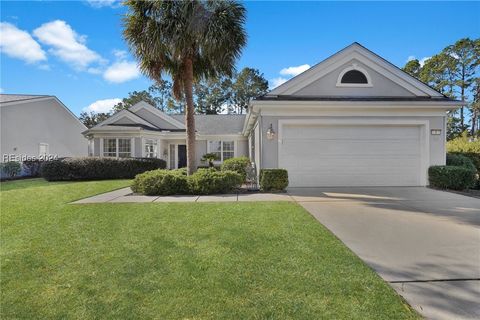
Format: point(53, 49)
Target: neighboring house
point(352, 120)
point(39, 126)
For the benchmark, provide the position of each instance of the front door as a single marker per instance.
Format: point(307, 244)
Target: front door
point(182, 156)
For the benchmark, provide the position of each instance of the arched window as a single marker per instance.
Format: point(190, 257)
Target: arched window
point(354, 76)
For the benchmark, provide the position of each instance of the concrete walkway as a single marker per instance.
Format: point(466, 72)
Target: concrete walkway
point(125, 195)
point(425, 243)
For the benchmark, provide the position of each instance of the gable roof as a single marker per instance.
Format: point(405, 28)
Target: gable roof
point(143, 105)
point(10, 100)
point(216, 124)
point(369, 58)
point(4, 98)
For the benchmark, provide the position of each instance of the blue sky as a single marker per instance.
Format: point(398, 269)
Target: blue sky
point(75, 50)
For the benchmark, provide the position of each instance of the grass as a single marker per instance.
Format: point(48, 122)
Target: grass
point(176, 261)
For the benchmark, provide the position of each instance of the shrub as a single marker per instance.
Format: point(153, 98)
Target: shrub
point(460, 160)
point(239, 165)
point(11, 168)
point(451, 177)
point(32, 167)
point(161, 182)
point(98, 168)
point(273, 179)
point(463, 144)
point(210, 181)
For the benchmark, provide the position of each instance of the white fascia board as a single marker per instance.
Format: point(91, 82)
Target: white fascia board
point(126, 114)
point(158, 113)
point(220, 136)
point(264, 104)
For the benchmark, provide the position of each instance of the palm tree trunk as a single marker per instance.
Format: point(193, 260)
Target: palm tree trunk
point(189, 116)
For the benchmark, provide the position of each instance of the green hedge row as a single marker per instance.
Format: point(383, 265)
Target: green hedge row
point(93, 168)
point(172, 182)
point(273, 179)
point(459, 173)
point(451, 177)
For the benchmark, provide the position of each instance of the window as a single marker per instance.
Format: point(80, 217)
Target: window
point(114, 147)
point(43, 149)
point(354, 76)
point(90, 147)
point(150, 148)
point(124, 148)
point(223, 149)
point(109, 147)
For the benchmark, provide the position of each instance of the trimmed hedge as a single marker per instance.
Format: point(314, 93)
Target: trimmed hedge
point(273, 179)
point(239, 165)
point(460, 160)
point(170, 182)
point(11, 168)
point(92, 168)
point(161, 182)
point(451, 177)
point(210, 181)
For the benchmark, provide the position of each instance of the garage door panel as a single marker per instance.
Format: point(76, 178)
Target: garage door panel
point(351, 155)
point(344, 148)
point(349, 132)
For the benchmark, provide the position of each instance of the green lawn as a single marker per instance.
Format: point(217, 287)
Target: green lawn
point(176, 261)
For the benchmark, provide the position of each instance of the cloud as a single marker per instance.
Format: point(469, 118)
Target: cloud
point(275, 82)
point(66, 44)
point(103, 3)
point(121, 71)
point(19, 44)
point(102, 106)
point(423, 60)
point(294, 71)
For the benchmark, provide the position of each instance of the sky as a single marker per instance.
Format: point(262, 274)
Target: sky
point(75, 50)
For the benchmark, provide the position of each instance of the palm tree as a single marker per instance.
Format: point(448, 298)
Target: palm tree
point(188, 40)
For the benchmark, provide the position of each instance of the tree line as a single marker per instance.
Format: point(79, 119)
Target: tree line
point(211, 96)
point(454, 72)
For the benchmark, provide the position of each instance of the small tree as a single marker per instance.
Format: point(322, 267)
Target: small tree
point(209, 158)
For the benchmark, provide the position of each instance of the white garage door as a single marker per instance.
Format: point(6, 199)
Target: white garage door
point(351, 155)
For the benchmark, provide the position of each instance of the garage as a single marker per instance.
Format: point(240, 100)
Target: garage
point(361, 154)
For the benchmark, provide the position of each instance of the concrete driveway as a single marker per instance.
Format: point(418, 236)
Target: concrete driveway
point(425, 243)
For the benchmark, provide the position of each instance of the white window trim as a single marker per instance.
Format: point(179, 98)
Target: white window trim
point(43, 144)
point(132, 146)
point(358, 85)
point(144, 144)
point(221, 151)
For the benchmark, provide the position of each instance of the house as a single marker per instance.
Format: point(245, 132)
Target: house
point(354, 119)
point(143, 131)
point(39, 126)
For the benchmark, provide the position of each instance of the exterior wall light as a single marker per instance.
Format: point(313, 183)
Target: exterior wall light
point(270, 132)
point(436, 132)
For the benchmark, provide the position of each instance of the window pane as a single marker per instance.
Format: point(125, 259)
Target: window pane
point(227, 155)
point(109, 147)
point(227, 145)
point(354, 76)
point(124, 150)
point(215, 146)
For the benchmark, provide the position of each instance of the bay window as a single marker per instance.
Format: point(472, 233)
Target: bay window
point(222, 149)
point(117, 147)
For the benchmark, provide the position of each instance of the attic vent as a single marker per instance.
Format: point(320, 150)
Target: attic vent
point(354, 76)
